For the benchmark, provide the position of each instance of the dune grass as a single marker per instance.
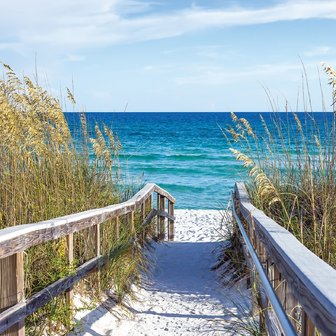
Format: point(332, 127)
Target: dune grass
point(44, 174)
point(292, 175)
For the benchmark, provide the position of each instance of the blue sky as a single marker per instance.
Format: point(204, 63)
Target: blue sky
point(172, 55)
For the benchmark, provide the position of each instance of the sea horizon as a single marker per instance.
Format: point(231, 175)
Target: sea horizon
point(186, 154)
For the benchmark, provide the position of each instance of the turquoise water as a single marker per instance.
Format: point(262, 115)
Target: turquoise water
point(185, 153)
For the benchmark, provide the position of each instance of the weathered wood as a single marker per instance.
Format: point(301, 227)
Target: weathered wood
point(69, 294)
point(148, 207)
point(143, 216)
point(21, 237)
point(165, 214)
point(279, 285)
point(292, 307)
point(272, 323)
point(97, 245)
point(12, 289)
point(97, 239)
point(249, 264)
point(272, 326)
point(131, 222)
point(149, 217)
point(161, 216)
point(171, 221)
point(23, 309)
point(311, 279)
point(308, 328)
point(262, 306)
point(13, 240)
point(117, 227)
point(164, 193)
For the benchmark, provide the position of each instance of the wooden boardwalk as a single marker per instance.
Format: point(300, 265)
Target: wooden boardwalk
point(296, 288)
point(182, 295)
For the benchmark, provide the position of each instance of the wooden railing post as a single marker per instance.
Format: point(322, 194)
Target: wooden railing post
point(97, 253)
point(117, 227)
point(292, 307)
point(131, 223)
point(97, 240)
point(148, 202)
point(148, 208)
point(160, 219)
point(156, 227)
point(143, 216)
point(69, 295)
point(262, 256)
point(308, 328)
point(13, 308)
point(12, 288)
point(171, 229)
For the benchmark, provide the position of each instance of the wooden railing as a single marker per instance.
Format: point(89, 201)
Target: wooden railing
point(14, 307)
point(304, 284)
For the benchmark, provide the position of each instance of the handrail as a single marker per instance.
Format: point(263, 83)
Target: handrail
point(311, 281)
point(14, 240)
point(20, 237)
point(286, 325)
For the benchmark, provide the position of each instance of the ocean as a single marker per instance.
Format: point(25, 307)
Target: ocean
point(184, 153)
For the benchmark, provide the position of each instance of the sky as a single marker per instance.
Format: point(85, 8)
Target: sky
point(177, 55)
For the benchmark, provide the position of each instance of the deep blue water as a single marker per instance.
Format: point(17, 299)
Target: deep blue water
point(185, 153)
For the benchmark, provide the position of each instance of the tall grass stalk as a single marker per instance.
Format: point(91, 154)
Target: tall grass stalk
point(292, 174)
point(45, 174)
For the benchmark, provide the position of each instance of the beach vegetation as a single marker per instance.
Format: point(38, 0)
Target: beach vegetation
point(290, 158)
point(45, 173)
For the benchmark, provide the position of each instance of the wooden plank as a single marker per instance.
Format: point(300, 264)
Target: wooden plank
point(12, 289)
point(279, 285)
point(165, 214)
point(19, 311)
point(69, 294)
point(23, 309)
point(164, 193)
point(292, 307)
point(248, 264)
point(311, 279)
point(20, 288)
point(161, 218)
point(143, 216)
point(150, 217)
point(148, 208)
point(131, 222)
point(140, 196)
point(117, 224)
point(272, 326)
point(97, 239)
point(21, 237)
point(259, 293)
point(171, 221)
point(308, 328)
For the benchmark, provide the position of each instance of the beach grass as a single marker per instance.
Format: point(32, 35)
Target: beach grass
point(291, 165)
point(45, 174)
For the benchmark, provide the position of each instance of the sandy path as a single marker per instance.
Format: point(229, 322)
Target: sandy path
point(182, 296)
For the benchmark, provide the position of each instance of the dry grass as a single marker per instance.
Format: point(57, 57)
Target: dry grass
point(44, 174)
point(292, 176)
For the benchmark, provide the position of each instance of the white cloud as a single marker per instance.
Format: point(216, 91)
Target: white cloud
point(216, 75)
point(80, 24)
point(74, 58)
point(320, 51)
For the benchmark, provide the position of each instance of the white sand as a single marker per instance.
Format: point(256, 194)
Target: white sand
point(182, 295)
